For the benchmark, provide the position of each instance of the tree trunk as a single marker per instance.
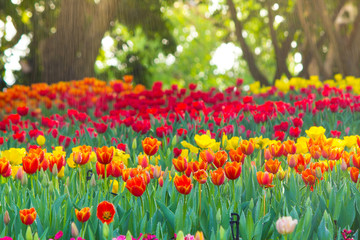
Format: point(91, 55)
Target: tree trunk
point(70, 53)
point(248, 55)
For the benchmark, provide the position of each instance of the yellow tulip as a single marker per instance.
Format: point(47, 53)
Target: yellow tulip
point(189, 146)
point(40, 140)
point(61, 173)
point(315, 132)
point(115, 186)
point(229, 144)
point(204, 141)
point(14, 155)
point(350, 141)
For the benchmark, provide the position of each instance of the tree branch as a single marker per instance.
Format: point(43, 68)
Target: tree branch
point(248, 55)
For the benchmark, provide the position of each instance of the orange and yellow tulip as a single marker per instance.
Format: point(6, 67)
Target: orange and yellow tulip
point(218, 176)
point(150, 146)
point(105, 154)
point(31, 163)
point(232, 170)
point(272, 166)
point(247, 147)
point(201, 176)
point(180, 163)
point(136, 185)
point(220, 158)
point(265, 179)
point(183, 184)
point(207, 155)
point(27, 216)
point(237, 155)
point(83, 215)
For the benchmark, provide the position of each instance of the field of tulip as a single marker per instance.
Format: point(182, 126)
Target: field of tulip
point(94, 160)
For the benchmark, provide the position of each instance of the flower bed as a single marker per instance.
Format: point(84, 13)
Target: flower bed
point(101, 161)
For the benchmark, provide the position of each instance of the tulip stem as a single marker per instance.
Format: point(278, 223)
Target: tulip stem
point(264, 201)
point(184, 209)
point(105, 180)
point(199, 200)
point(142, 206)
point(82, 230)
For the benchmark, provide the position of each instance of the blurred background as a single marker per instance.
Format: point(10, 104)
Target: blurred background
point(211, 43)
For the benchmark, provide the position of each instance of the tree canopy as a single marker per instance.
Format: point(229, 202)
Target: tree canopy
point(209, 42)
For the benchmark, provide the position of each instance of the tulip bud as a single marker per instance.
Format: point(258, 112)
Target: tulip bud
point(45, 181)
point(67, 182)
point(343, 165)
point(93, 181)
point(267, 154)
point(286, 225)
point(74, 230)
point(19, 174)
point(222, 233)
point(199, 236)
point(134, 144)
point(128, 236)
point(51, 187)
point(28, 234)
point(292, 160)
point(180, 236)
point(281, 174)
point(157, 172)
point(6, 218)
point(24, 179)
point(36, 236)
point(174, 141)
point(318, 172)
point(55, 170)
point(106, 231)
point(161, 181)
point(218, 217)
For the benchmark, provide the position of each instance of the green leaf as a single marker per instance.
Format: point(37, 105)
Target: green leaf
point(169, 215)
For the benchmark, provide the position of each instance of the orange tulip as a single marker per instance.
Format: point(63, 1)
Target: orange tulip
point(272, 166)
point(265, 179)
point(290, 147)
point(183, 184)
point(105, 154)
point(59, 160)
point(38, 151)
point(82, 156)
point(180, 164)
point(303, 161)
point(346, 157)
point(218, 176)
point(105, 212)
point(247, 147)
point(44, 165)
point(315, 151)
point(237, 155)
point(207, 155)
point(4, 165)
point(332, 163)
point(356, 160)
point(100, 169)
point(83, 215)
point(354, 174)
point(150, 146)
point(143, 160)
point(136, 186)
point(277, 149)
point(125, 174)
point(31, 163)
point(27, 216)
point(292, 160)
point(233, 170)
point(201, 176)
point(117, 168)
point(309, 178)
point(220, 158)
